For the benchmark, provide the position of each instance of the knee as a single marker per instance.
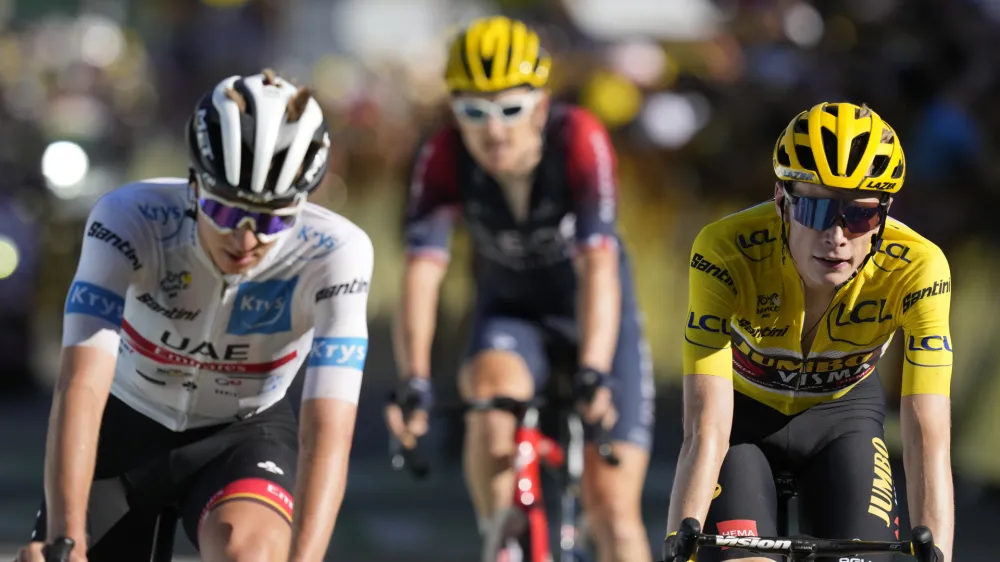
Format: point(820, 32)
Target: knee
point(244, 544)
point(496, 373)
point(616, 520)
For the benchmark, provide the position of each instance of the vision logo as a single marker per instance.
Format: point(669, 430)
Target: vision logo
point(263, 307)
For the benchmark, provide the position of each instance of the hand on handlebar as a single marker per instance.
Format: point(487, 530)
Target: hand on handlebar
point(407, 409)
point(681, 546)
point(592, 394)
point(60, 550)
point(923, 547)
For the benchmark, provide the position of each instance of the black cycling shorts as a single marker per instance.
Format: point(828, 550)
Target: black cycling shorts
point(837, 454)
point(143, 467)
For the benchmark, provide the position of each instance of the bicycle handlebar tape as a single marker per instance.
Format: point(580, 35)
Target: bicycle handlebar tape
point(59, 550)
point(922, 544)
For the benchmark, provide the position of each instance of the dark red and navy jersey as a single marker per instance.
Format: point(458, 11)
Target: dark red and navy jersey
point(573, 203)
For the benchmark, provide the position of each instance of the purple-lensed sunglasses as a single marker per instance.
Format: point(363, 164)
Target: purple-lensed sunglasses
point(227, 216)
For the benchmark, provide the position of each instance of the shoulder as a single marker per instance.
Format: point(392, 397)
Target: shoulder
point(904, 250)
point(576, 127)
point(436, 164)
point(151, 206)
point(751, 234)
point(330, 240)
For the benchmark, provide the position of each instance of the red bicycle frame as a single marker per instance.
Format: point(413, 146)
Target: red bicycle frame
point(532, 450)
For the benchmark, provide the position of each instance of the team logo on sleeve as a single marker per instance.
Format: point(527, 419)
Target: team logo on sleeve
point(349, 288)
point(87, 298)
point(262, 307)
point(100, 232)
point(339, 352)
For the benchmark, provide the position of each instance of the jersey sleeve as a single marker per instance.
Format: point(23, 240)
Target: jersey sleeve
point(433, 203)
point(116, 249)
point(591, 170)
point(927, 352)
point(336, 359)
point(711, 304)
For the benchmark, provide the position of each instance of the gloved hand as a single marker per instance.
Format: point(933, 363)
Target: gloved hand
point(407, 408)
point(592, 395)
point(674, 551)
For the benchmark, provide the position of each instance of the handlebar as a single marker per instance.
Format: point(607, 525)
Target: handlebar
point(59, 550)
point(690, 539)
point(412, 460)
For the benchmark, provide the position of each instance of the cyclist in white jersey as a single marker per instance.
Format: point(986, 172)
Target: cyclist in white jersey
point(195, 303)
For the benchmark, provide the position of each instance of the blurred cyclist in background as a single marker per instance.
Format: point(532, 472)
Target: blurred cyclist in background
point(535, 184)
point(792, 303)
point(194, 304)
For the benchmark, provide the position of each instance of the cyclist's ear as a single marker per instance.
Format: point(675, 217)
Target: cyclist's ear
point(779, 198)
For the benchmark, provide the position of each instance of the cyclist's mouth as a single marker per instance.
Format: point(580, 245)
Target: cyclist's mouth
point(833, 263)
point(240, 259)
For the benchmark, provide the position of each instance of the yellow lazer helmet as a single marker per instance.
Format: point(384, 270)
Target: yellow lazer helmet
point(841, 145)
point(495, 54)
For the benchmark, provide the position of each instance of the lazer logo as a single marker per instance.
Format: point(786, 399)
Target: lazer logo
point(99, 231)
point(355, 286)
point(263, 307)
point(880, 185)
point(339, 352)
point(87, 298)
point(938, 288)
point(699, 262)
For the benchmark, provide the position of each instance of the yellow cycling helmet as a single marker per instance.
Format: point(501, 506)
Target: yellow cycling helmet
point(841, 145)
point(495, 54)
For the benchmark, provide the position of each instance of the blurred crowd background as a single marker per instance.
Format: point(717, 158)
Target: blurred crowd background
point(95, 93)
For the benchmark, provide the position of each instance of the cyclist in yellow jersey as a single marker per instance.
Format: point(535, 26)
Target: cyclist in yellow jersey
point(792, 302)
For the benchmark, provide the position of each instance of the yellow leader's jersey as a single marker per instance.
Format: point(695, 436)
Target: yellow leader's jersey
point(746, 315)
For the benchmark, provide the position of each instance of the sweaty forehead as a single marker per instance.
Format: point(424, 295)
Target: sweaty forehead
point(803, 189)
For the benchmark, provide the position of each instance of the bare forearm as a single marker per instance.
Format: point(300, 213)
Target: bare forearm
point(413, 331)
point(599, 306)
point(319, 492)
point(70, 453)
point(926, 425)
point(694, 482)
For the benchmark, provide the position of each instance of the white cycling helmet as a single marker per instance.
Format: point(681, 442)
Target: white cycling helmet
point(258, 138)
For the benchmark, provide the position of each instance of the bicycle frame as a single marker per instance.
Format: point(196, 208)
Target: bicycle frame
point(532, 451)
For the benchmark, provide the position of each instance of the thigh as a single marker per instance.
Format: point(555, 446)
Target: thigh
point(847, 487)
point(254, 460)
point(506, 356)
point(260, 470)
point(744, 504)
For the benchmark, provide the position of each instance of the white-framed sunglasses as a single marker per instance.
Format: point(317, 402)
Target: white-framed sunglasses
point(507, 110)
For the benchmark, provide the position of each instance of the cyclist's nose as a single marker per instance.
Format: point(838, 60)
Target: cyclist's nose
point(836, 233)
point(245, 239)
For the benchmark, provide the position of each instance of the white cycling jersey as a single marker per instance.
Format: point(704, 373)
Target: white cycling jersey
point(196, 347)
